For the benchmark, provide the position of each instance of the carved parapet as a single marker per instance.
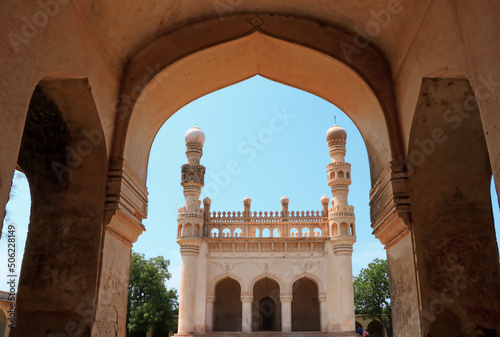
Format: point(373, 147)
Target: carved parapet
point(126, 203)
point(390, 205)
point(260, 217)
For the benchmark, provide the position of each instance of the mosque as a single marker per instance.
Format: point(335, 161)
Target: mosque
point(283, 272)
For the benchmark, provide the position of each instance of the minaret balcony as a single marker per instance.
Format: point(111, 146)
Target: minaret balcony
point(185, 213)
point(339, 182)
point(340, 211)
point(338, 164)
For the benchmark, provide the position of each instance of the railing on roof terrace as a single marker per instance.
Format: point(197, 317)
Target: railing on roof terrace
point(253, 224)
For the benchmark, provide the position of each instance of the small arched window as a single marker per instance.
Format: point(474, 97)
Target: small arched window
point(276, 233)
point(214, 233)
point(266, 233)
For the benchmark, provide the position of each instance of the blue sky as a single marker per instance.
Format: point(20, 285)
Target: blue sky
point(264, 140)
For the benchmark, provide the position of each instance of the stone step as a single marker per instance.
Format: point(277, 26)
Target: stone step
point(277, 334)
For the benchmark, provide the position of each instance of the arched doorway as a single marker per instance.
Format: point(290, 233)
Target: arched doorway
point(63, 156)
point(227, 306)
point(376, 329)
point(266, 306)
point(305, 306)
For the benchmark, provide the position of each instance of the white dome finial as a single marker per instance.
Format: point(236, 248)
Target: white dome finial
point(195, 135)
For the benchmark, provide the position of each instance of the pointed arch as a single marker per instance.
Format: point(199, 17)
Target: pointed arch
point(262, 276)
point(309, 276)
point(222, 276)
point(375, 115)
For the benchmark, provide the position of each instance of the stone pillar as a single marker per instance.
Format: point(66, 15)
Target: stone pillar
point(342, 247)
point(397, 238)
point(209, 316)
point(126, 205)
point(286, 313)
point(452, 224)
point(187, 293)
point(390, 210)
point(246, 301)
point(323, 312)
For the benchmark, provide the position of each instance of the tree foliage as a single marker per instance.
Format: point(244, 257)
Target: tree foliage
point(371, 293)
point(150, 303)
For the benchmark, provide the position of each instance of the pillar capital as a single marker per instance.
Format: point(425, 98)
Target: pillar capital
point(286, 297)
point(246, 298)
point(342, 244)
point(190, 245)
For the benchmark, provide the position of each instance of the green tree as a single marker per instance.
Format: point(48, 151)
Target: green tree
point(371, 293)
point(150, 303)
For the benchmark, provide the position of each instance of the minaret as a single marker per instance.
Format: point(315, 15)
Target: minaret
point(190, 222)
point(342, 228)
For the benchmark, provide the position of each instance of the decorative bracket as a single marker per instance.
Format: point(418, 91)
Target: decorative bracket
point(126, 202)
point(390, 205)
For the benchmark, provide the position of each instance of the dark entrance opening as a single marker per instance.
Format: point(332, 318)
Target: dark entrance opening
point(266, 314)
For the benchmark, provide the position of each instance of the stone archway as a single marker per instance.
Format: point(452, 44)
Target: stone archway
point(228, 306)
point(314, 53)
point(376, 329)
point(66, 171)
point(305, 306)
point(76, 228)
